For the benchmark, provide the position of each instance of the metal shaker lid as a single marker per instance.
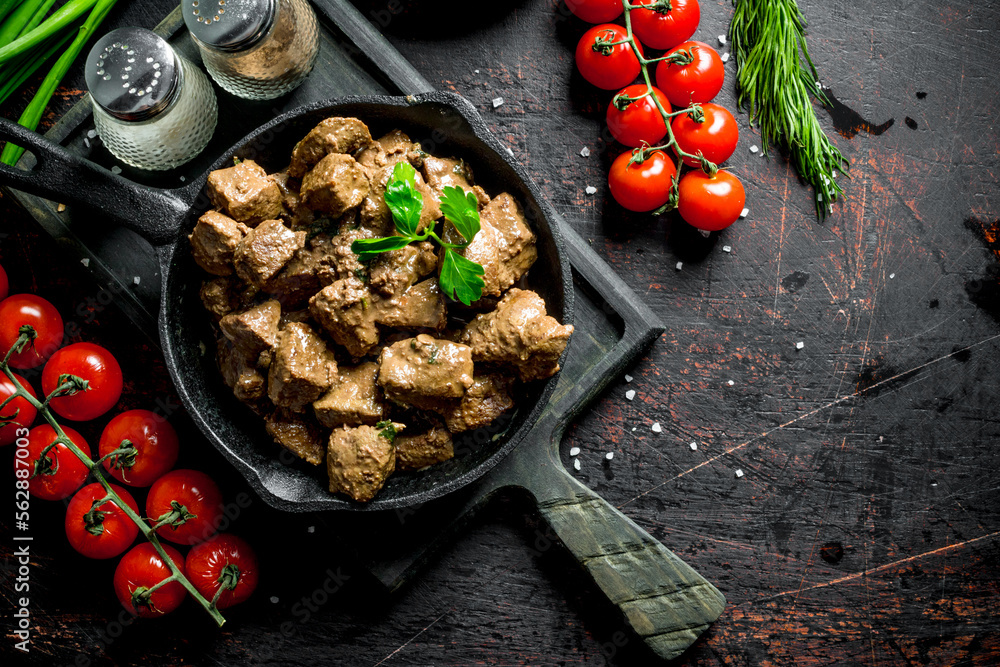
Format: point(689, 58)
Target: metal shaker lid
point(132, 73)
point(229, 25)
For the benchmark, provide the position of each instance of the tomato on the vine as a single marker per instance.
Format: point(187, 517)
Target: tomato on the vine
point(103, 531)
point(155, 447)
point(596, 11)
point(61, 473)
point(141, 569)
point(95, 365)
point(19, 412)
point(224, 562)
point(605, 66)
point(665, 29)
point(4, 285)
point(188, 503)
point(21, 309)
point(640, 121)
point(696, 77)
point(641, 186)
point(715, 137)
point(708, 202)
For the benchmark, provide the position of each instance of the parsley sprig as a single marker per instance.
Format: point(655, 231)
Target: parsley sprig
point(460, 278)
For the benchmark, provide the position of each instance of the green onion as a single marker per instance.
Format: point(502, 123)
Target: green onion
point(24, 19)
point(63, 17)
point(26, 66)
point(7, 6)
point(37, 17)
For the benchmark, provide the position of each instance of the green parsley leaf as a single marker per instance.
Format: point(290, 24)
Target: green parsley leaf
point(387, 430)
point(403, 199)
point(366, 249)
point(461, 278)
point(462, 209)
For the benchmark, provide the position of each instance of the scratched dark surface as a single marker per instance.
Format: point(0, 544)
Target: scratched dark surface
point(864, 530)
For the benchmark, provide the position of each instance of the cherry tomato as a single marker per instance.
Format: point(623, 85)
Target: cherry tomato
point(104, 532)
point(716, 137)
point(710, 202)
point(700, 80)
point(641, 121)
point(596, 11)
point(21, 309)
point(4, 285)
point(191, 503)
point(141, 569)
point(155, 442)
point(225, 562)
point(609, 67)
point(667, 29)
point(95, 365)
point(62, 473)
point(19, 412)
point(641, 186)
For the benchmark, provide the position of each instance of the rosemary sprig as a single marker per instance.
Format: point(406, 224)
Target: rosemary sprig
point(776, 88)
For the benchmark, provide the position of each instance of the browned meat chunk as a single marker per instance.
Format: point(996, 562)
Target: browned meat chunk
point(297, 435)
point(336, 184)
point(517, 249)
point(245, 192)
point(487, 399)
point(421, 306)
point(345, 309)
point(353, 399)
point(324, 260)
point(265, 250)
point(360, 459)
point(289, 188)
point(440, 173)
point(420, 371)
point(375, 215)
point(240, 373)
point(414, 452)
point(302, 368)
point(332, 135)
point(214, 241)
point(519, 333)
point(393, 272)
point(217, 296)
point(255, 329)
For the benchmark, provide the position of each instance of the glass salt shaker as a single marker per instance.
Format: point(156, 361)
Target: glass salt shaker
point(255, 49)
point(153, 109)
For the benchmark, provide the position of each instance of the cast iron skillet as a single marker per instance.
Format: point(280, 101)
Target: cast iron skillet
point(445, 124)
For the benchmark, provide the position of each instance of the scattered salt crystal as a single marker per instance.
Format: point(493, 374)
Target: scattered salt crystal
point(739, 472)
point(85, 261)
point(86, 142)
point(628, 378)
point(819, 196)
point(585, 152)
point(476, 71)
point(633, 429)
point(835, 173)
point(497, 101)
point(725, 57)
point(705, 233)
point(311, 529)
point(891, 276)
point(576, 464)
point(656, 428)
point(722, 39)
point(590, 190)
point(727, 248)
point(933, 483)
point(609, 455)
point(135, 280)
point(574, 451)
point(91, 134)
point(509, 150)
point(693, 446)
point(183, 179)
point(800, 345)
point(819, 85)
point(274, 599)
point(754, 149)
point(116, 169)
point(744, 213)
point(630, 394)
point(680, 265)
point(731, 383)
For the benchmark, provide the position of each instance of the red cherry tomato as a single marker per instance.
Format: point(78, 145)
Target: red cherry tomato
point(716, 137)
point(141, 569)
point(21, 309)
point(596, 11)
point(710, 202)
point(95, 365)
point(608, 67)
point(25, 412)
point(225, 562)
point(191, 503)
point(640, 121)
point(4, 285)
point(698, 81)
point(104, 532)
point(666, 30)
point(155, 441)
point(62, 473)
point(641, 186)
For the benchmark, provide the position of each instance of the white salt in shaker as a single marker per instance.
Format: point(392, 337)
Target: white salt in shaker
point(153, 109)
point(255, 49)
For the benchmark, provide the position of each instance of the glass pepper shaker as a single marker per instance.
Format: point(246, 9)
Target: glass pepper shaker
point(153, 109)
point(255, 49)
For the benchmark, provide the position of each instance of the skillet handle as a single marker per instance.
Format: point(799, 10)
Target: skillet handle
point(70, 179)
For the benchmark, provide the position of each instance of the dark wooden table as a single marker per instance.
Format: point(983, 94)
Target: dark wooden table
point(864, 528)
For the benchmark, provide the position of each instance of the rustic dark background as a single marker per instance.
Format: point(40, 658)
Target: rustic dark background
point(864, 530)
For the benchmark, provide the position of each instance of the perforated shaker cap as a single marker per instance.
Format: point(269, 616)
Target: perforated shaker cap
point(229, 25)
point(132, 73)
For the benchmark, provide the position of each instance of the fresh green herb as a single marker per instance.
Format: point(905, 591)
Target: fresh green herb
point(361, 275)
point(462, 208)
point(461, 278)
point(777, 88)
point(403, 199)
point(435, 350)
point(387, 430)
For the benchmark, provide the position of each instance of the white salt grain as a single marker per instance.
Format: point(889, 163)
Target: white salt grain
point(628, 378)
point(590, 190)
point(274, 599)
point(91, 134)
point(86, 142)
point(754, 149)
point(497, 101)
point(576, 464)
point(609, 455)
point(85, 261)
point(585, 152)
point(680, 265)
point(476, 71)
point(727, 248)
point(730, 383)
point(739, 472)
point(311, 529)
point(819, 196)
point(630, 394)
point(656, 428)
point(799, 345)
point(725, 57)
point(891, 276)
point(722, 40)
point(183, 179)
point(744, 213)
point(135, 280)
point(574, 451)
point(509, 151)
point(116, 169)
point(693, 446)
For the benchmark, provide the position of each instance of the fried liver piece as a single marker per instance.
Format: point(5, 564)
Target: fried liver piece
point(214, 241)
point(346, 311)
point(217, 296)
point(265, 250)
point(421, 306)
point(332, 135)
point(353, 399)
point(324, 260)
point(394, 272)
point(423, 370)
point(519, 333)
point(302, 368)
point(240, 373)
point(358, 460)
point(517, 248)
point(414, 452)
point(245, 193)
point(297, 435)
point(487, 398)
point(254, 330)
point(335, 185)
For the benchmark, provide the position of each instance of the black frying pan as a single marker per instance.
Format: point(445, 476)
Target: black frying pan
point(446, 124)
